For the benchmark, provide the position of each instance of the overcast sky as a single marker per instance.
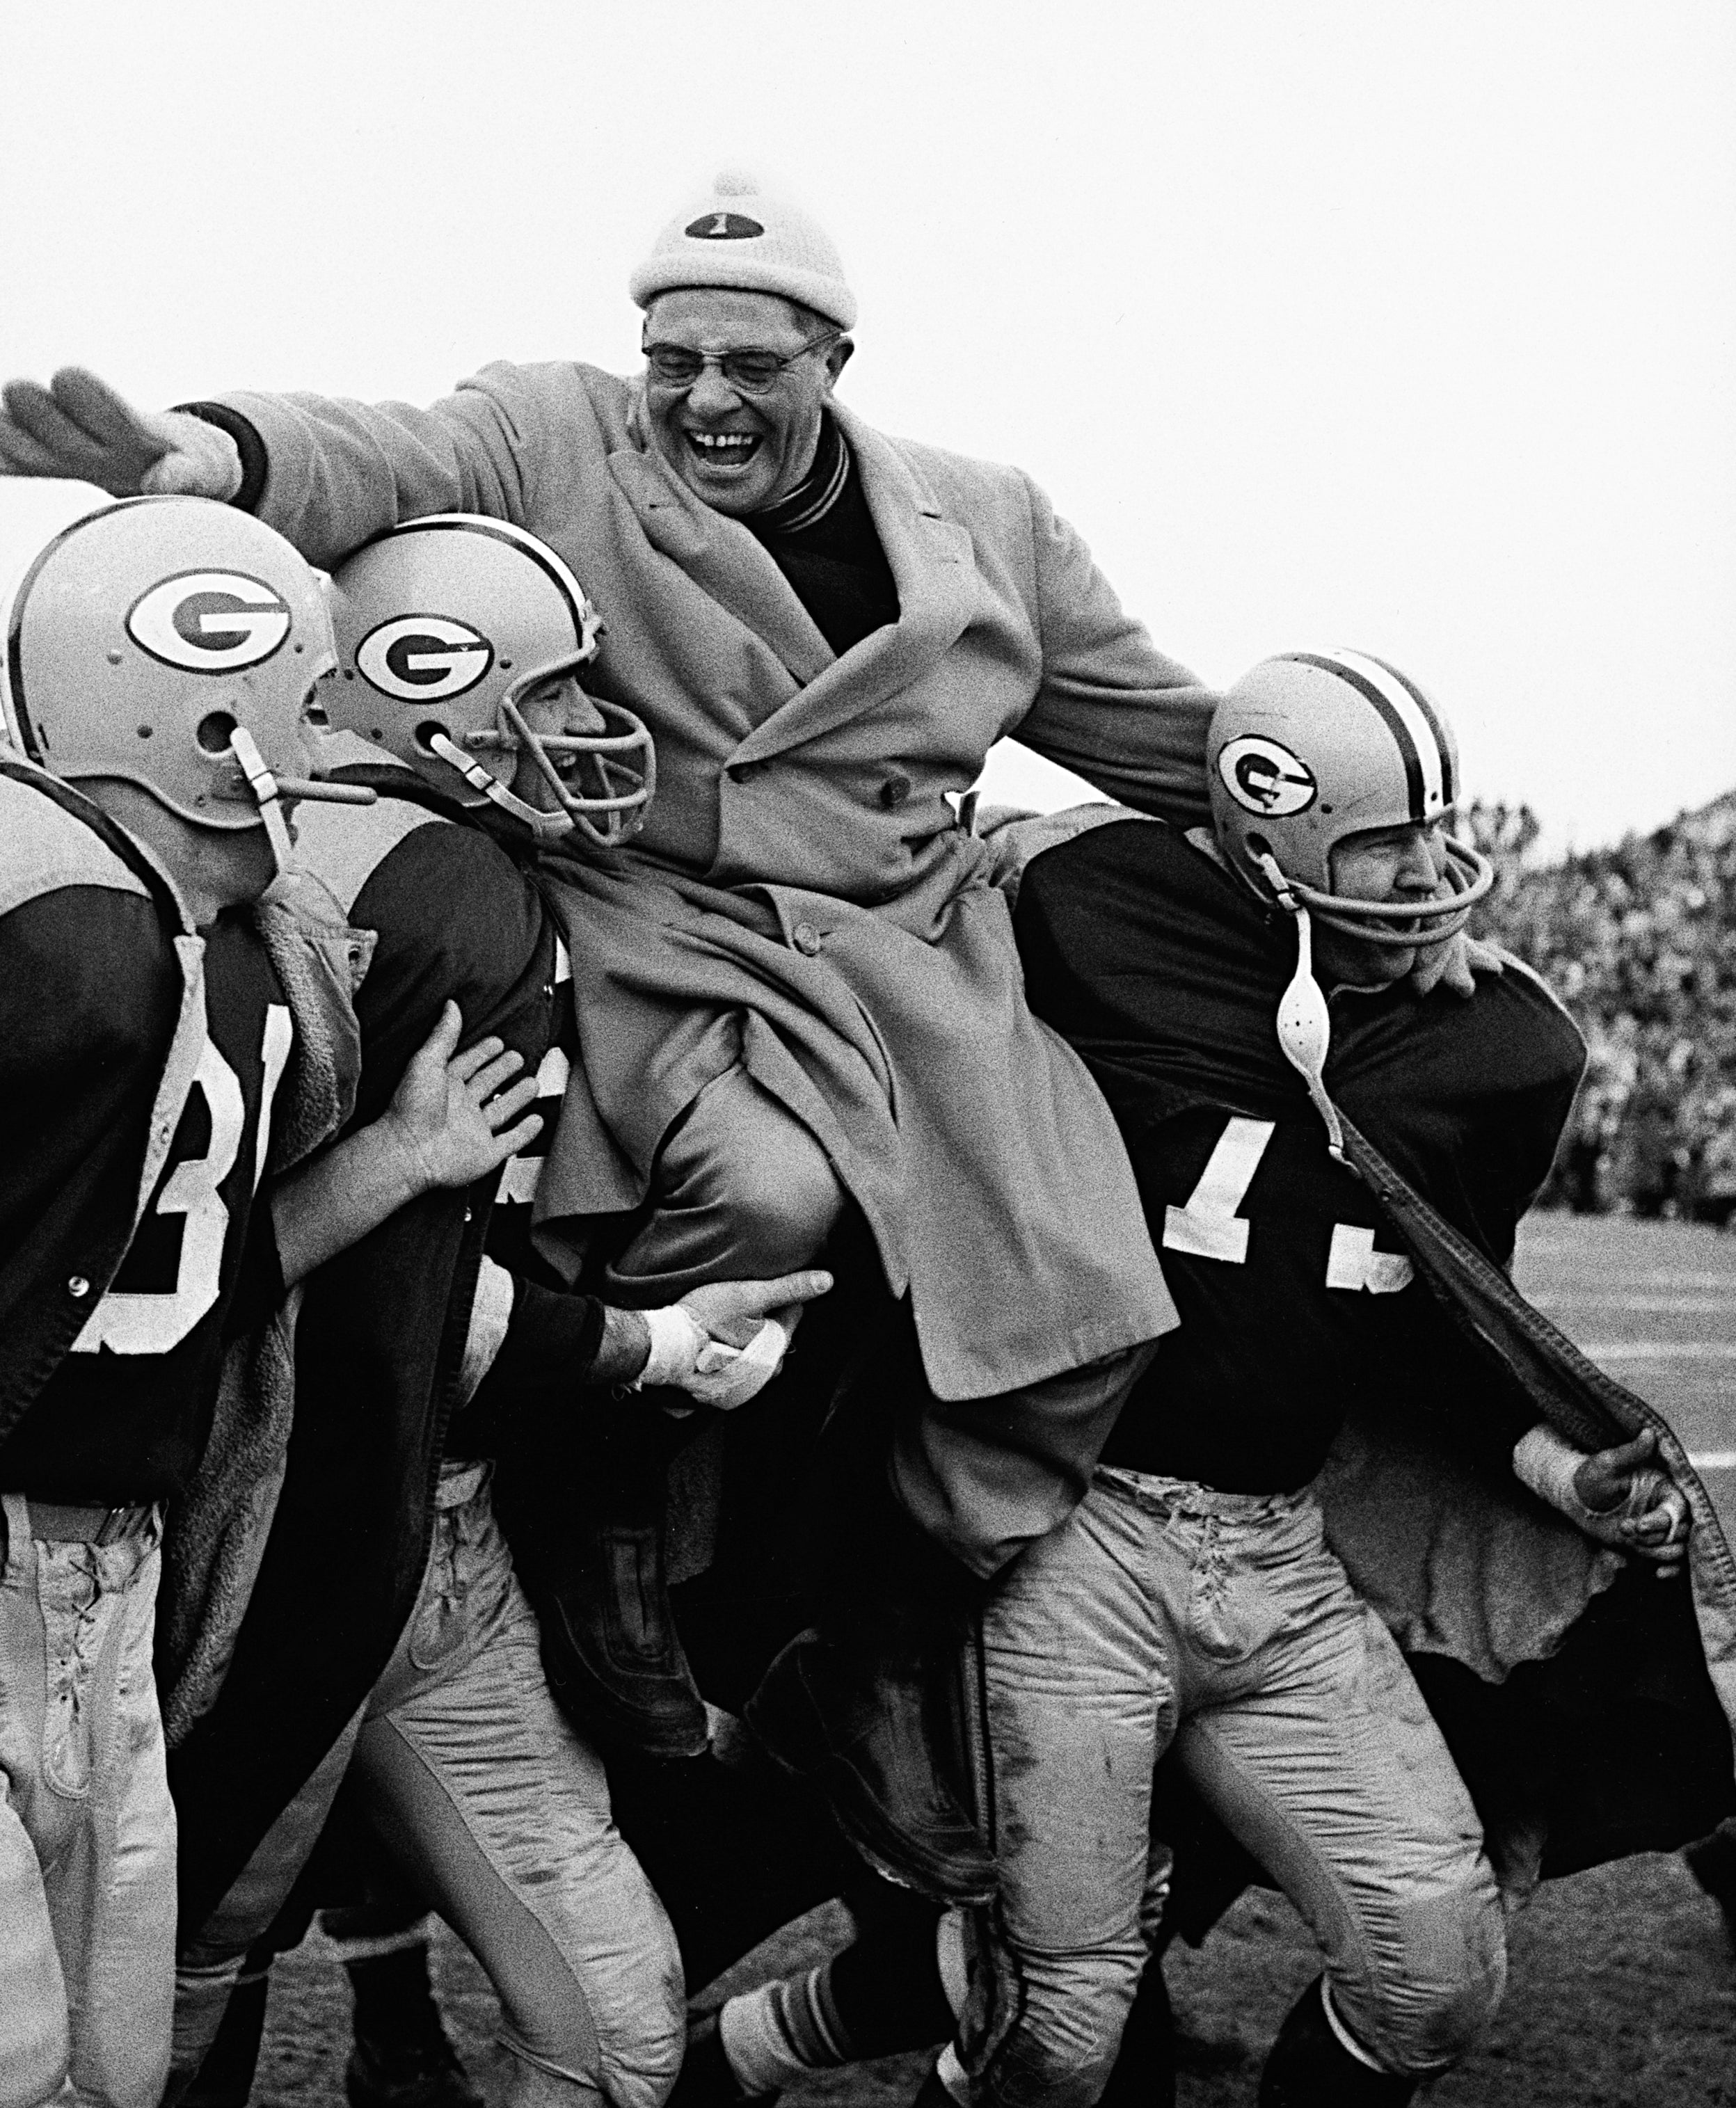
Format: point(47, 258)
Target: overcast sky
point(1385, 322)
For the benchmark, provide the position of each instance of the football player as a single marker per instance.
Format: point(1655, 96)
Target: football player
point(1191, 1601)
point(391, 1643)
point(169, 1049)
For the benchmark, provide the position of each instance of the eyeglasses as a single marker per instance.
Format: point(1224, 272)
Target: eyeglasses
point(748, 372)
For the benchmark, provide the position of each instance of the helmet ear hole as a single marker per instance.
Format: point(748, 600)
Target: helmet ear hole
point(427, 732)
point(216, 732)
point(1259, 845)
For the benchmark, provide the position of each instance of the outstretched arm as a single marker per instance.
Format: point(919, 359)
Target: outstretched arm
point(79, 428)
point(326, 474)
point(451, 1121)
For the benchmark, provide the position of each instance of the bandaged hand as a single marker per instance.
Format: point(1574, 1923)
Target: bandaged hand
point(723, 1343)
point(1618, 1496)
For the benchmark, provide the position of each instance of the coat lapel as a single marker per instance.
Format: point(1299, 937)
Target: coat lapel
point(721, 559)
point(932, 562)
point(933, 569)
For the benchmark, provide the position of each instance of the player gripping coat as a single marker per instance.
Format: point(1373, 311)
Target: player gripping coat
point(439, 1344)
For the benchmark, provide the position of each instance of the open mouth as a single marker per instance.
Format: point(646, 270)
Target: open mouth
point(723, 451)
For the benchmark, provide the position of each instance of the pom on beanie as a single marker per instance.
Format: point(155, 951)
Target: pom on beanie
point(736, 235)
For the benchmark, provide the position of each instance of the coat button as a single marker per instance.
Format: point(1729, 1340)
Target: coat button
point(78, 1287)
point(807, 939)
point(894, 790)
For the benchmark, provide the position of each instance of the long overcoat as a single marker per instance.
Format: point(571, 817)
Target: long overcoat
point(802, 897)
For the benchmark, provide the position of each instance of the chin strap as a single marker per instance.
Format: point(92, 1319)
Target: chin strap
point(1304, 1022)
point(265, 789)
point(269, 790)
point(545, 825)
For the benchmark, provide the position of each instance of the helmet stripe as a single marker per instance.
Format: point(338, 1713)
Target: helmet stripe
point(16, 710)
point(1412, 733)
point(1422, 724)
point(1432, 717)
point(545, 560)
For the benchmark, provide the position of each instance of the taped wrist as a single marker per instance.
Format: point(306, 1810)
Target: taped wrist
point(677, 1340)
point(684, 1355)
point(1546, 1463)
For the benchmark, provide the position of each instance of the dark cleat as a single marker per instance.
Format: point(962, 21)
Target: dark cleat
point(613, 1658)
point(861, 1729)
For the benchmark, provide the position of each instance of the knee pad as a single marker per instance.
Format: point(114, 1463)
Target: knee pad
point(1425, 2014)
point(1062, 2050)
point(642, 2041)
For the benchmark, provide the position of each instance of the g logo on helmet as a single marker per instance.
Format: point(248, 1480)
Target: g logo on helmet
point(1265, 778)
point(209, 622)
point(423, 658)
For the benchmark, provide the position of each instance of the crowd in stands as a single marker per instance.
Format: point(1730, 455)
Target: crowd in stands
point(1640, 942)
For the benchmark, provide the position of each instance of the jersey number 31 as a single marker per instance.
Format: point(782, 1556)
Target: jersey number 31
point(127, 1322)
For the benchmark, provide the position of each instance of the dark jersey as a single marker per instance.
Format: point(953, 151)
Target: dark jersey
point(379, 1338)
point(1295, 1302)
point(126, 1416)
point(515, 1195)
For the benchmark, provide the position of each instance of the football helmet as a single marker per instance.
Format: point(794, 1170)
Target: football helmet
point(1309, 747)
point(444, 625)
point(174, 643)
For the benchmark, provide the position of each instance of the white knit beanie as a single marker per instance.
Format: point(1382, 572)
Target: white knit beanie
point(738, 235)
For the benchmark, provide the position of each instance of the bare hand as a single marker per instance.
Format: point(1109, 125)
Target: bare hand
point(1454, 965)
point(1639, 1507)
point(79, 428)
point(732, 1311)
point(451, 1116)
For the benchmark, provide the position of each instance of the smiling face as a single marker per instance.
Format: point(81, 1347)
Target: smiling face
point(557, 705)
point(1384, 864)
point(740, 453)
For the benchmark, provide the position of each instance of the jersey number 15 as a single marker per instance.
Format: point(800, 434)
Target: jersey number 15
point(1208, 1227)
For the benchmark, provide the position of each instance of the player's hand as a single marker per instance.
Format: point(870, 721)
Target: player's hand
point(79, 428)
point(1636, 1505)
point(732, 1311)
point(1454, 965)
point(452, 1115)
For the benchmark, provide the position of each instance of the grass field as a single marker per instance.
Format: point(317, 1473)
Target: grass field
point(1623, 1988)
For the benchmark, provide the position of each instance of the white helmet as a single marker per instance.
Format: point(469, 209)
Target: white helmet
point(443, 625)
point(174, 643)
point(1311, 747)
